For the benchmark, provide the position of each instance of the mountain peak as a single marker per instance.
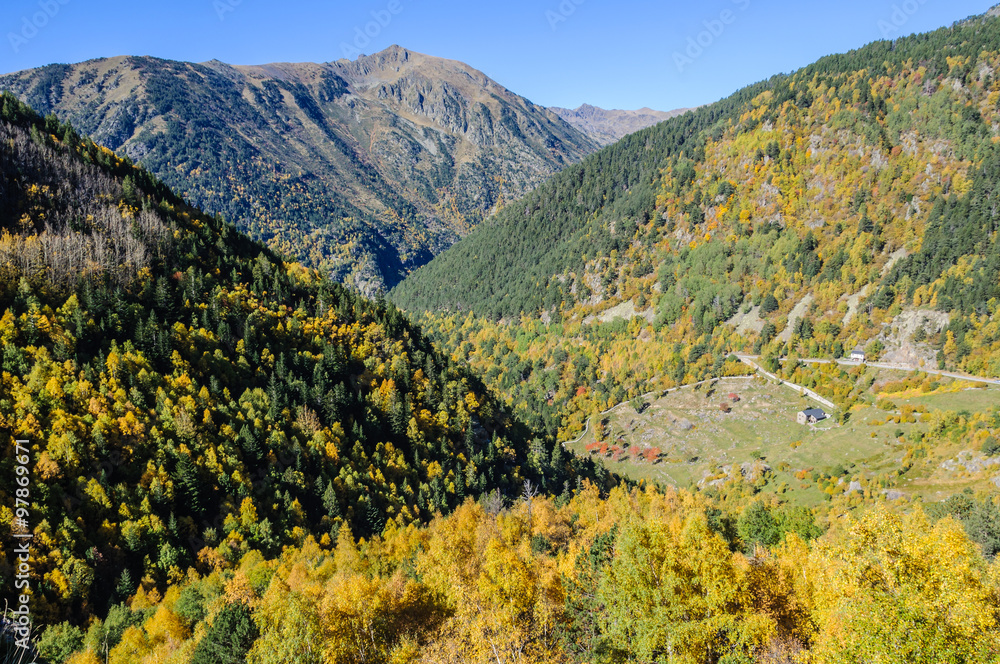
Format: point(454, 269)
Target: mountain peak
point(607, 126)
point(363, 168)
point(389, 56)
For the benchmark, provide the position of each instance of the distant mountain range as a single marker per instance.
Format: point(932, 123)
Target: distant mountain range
point(605, 127)
point(364, 168)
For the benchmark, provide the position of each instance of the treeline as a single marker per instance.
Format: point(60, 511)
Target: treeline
point(208, 399)
point(496, 271)
point(204, 155)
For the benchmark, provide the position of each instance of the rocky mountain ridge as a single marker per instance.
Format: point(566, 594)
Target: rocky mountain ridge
point(607, 126)
point(364, 168)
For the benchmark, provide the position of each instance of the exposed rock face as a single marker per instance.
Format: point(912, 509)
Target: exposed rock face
point(970, 461)
point(365, 168)
point(900, 346)
point(606, 126)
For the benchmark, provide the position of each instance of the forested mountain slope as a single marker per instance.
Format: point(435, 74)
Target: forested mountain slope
point(846, 204)
point(188, 396)
point(868, 174)
point(364, 169)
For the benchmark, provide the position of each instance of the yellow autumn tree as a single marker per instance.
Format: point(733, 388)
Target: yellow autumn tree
point(896, 588)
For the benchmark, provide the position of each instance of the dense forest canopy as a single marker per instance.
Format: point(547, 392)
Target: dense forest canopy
point(187, 393)
point(636, 576)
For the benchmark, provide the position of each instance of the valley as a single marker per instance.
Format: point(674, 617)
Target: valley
point(801, 218)
point(735, 431)
point(183, 389)
point(377, 361)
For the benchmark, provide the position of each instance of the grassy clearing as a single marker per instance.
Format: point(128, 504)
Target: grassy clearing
point(972, 399)
point(684, 438)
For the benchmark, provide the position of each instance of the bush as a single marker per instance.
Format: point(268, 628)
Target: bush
point(757, 526)
point(60, 641)
point(991, 447)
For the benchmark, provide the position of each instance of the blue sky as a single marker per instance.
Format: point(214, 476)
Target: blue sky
point(615, 54)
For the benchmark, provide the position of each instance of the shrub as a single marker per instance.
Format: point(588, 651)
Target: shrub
point(757, 526)
point(60, 641)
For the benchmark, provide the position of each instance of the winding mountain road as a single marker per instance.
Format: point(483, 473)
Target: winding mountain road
point(749, 360)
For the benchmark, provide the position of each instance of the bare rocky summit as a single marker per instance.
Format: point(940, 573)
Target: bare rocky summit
point(607, 126)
